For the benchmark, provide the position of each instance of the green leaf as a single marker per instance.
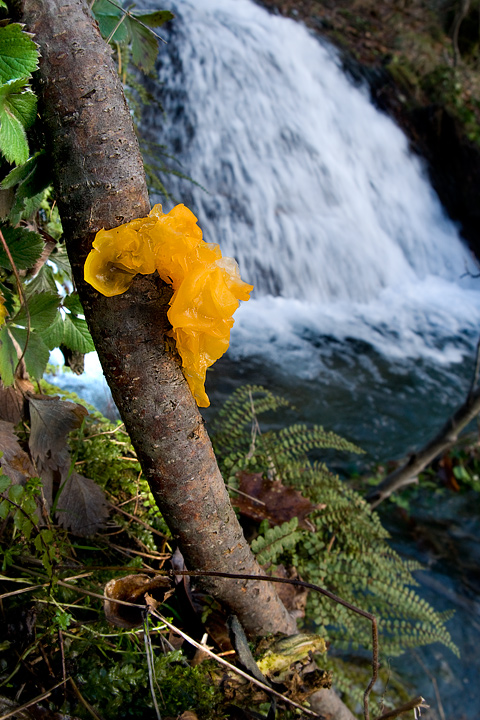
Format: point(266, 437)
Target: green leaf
point(72, 303)
point(32, 178)
point(3, 4)
point(60, 258)
point(53, 335)
point(13, 138)
point(18, 53)
point(155, 19)
point(8, 357)
point(76, 335)
point(144, 42)
point(36, 353)
point(144, 47)
point(44, 281)
point(20, 173)
point(16, 96)
point(18, 106)
point(5, 482)
point(24, 245)
point(15, 493)
point(5, 508)
point(42, 309)
point(108, 17)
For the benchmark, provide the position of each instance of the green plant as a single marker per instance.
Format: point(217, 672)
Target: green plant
point(38, 310)
point(346, 550)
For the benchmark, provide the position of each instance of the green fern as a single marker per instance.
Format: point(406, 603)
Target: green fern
point(275, 541)
point(348, 550)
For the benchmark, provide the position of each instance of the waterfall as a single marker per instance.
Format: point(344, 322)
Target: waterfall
point(311, 189)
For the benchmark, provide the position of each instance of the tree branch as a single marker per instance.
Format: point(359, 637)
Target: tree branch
point(100, 182)
point(445, 439)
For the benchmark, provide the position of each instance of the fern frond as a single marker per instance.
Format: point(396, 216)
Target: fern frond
point(348, 551)
point(275, 541)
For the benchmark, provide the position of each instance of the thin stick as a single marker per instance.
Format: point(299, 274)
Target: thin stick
point(23, 590)
point(250, 497)
point(309, 586)
point(136, 519)
point(62, 655)
point(20, 294)
point(117, 26)
point(418, 702)
point(136, 19)
point(434, 683)
point(150, 664)
point(234, 669)
point(84, 702)
point(37, 699)
point(476, 371)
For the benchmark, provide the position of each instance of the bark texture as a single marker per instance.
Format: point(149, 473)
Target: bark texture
point(100, 182)
point(328, 705)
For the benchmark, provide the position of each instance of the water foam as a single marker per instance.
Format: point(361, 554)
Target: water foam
point(310, 188)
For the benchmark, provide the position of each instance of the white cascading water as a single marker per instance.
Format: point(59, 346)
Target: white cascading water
point(310, 188)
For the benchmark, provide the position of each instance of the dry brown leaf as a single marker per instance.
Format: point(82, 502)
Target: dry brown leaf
point(11, 404)
point(51, 419)
point(15, 462)
point(132, 589)
point(272, 501)
point(82, 506)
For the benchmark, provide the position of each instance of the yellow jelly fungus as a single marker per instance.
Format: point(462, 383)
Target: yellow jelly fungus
point(207, 288)
point(3, 309)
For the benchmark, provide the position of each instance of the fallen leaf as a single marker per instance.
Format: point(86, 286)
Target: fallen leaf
point(15, 462)
point(82, 506)
point(264, 499)
point(132, 589)
point(51, 419)
point(11, 404)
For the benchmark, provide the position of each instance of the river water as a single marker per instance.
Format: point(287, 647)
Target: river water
point(362, 314)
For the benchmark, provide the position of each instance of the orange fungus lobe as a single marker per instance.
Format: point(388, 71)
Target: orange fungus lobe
point(207, 288)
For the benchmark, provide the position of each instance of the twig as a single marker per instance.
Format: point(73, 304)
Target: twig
point(84, 702)
point(308, 586)
point(476, 372)
point(20, 294)
point(136, 519)
point(250, 497)
point(434, 683)
point(37, 699)
point(151, 664)
point(231, 667)
point(416, 703)
point(136, 19)
point(417, 462)
point(62, 655)
point(122, 18)
point(23, 590)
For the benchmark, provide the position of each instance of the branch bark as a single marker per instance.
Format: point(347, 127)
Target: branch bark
point(100, 182)
point(417, 462)
point(461, 13)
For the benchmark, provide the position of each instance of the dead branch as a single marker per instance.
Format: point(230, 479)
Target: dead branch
point(445, 439)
